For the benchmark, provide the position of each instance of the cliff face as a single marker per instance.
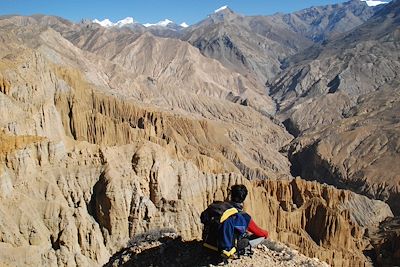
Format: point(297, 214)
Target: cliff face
point(77, 207)
point(320, 221)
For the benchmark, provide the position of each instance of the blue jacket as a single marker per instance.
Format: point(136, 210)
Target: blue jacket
point(233, 227)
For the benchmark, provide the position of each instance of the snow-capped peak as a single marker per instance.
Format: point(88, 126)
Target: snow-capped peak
point(220, 9)
point(123, 22)
point(162, 23)
point(104, 23)
point(374, 2)
point(184, 25)
point(130, 21)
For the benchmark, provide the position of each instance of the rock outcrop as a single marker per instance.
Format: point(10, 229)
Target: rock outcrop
point(297, 210)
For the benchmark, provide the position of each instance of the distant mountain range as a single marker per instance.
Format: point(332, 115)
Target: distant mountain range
point(129, 21)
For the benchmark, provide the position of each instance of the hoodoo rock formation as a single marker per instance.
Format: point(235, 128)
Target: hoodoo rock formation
point(130, 189)
point(107, 134)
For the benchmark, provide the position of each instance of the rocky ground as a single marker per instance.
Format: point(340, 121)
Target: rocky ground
point(170, 250)
point(273, 253)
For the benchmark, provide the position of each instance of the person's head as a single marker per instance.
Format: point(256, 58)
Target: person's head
point(238, 193)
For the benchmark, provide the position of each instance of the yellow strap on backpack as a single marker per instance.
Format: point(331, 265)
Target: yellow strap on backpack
point(228, 213)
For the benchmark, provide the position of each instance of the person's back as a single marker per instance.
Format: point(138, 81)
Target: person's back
point(225, 223)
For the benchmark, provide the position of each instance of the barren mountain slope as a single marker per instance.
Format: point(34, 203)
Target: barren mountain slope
point(343, 104)
point(323, 22)
point(360, 152)
point(231, 39)
point(120, 45)
point(259, 44)
point(346, 67)
point(173, 66)
point(165, 66)
point(233, 119)
point(84, 166)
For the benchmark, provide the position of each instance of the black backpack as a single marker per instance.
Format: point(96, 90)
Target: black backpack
point(212, 218)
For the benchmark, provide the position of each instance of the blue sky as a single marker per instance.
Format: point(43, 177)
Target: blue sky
point(190, 11)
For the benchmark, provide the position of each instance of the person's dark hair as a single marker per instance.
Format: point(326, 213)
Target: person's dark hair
point(238, 193)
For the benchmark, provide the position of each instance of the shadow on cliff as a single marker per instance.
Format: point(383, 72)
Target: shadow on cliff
point(386, 243)
point(171, 252)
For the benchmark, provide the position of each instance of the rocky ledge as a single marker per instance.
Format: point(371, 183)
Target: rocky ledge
point(169, 250)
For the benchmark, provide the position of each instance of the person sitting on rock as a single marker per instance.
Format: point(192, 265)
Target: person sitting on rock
point(225, 224)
